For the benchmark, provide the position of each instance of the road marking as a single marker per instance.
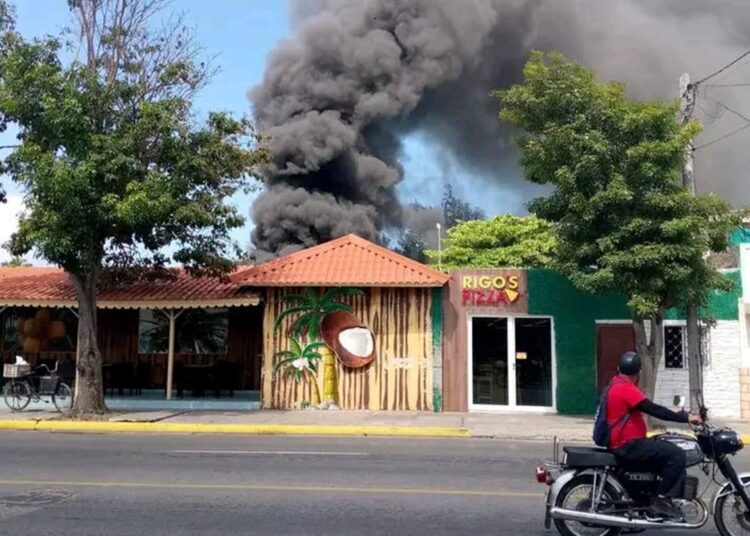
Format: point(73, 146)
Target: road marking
point(251, 487)
point(277, 452)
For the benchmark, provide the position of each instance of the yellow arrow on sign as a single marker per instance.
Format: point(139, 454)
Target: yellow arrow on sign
point(512, 295)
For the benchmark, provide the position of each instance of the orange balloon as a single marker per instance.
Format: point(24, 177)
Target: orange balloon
point(30, 328)
point(31, 345)
point(43, 318)
point(57, 329)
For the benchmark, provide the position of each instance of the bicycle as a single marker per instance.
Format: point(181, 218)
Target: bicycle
point(22, 386)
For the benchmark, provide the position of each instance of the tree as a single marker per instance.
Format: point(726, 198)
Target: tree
point(503, 241)
point(7, 24)
point(112, 161)
point(15, 262)
point(456, 210)
point(623, 220)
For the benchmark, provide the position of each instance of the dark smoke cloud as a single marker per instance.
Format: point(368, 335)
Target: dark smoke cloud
point(359, 75)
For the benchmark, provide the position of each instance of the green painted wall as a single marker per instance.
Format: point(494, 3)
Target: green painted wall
point(740, 236)
point(721, 305)
point(725, 305)
point(437, 349)
point(575, 314)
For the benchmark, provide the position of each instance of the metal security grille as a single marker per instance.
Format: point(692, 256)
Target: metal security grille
point(705, 346)
point(674, 347)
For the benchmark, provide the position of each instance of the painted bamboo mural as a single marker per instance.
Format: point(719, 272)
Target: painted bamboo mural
point(399, 378)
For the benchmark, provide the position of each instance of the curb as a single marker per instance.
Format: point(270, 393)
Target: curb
point(230, 429)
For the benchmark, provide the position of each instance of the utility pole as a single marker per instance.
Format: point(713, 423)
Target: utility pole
point(440, 246)
point(695, 367)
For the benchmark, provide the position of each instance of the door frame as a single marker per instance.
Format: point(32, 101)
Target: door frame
point(511, 406)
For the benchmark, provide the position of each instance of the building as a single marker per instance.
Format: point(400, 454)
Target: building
point(527, 340)
point(477, 340)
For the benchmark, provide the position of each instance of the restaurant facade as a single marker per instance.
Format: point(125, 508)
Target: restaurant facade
point(354, 324)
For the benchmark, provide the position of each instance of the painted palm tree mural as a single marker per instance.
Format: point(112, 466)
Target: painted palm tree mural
point(308, 311)
point(301, 362)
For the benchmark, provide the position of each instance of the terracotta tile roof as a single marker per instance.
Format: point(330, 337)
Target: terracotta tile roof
point(33, 286)
point(346, 261)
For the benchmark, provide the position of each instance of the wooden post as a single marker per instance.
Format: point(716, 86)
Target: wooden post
point(172, 316)
point(170, 354)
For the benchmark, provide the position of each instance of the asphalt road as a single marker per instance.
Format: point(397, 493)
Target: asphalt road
point(114, 485)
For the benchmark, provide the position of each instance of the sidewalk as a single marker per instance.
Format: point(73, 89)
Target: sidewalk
point(350, 423)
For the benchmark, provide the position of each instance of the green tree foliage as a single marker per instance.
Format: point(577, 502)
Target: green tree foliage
point(7, 23)
point(624, 222)
point(114, 165)
point(502, 241)
point(15, 262)
point(456, 210)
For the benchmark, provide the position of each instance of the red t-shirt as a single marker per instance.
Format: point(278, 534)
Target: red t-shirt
point(623, 396)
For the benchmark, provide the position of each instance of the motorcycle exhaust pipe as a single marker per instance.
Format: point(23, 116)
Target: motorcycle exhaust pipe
point(619, 521)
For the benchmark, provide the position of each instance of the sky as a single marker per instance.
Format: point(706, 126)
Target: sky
point(240, 34)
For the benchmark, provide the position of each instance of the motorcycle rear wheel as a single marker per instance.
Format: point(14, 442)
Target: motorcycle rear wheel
point(576, 495)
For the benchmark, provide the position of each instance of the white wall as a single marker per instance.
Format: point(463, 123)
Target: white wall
point(721, 378)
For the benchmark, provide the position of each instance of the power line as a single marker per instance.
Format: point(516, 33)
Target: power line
point(727, 66)
point(717, 140)
point(727, 108)
point(739, 84)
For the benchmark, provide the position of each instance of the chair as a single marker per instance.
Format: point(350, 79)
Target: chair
point(225, 374)
point(179, 378)
point(484, 385)
point(67, 371)
point(141, 378)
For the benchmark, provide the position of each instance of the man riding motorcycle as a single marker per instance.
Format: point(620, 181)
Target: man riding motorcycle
point(626, 404)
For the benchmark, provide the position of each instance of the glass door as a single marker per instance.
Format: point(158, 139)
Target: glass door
point(489, 347)
point(533, 362)
point(511, 363)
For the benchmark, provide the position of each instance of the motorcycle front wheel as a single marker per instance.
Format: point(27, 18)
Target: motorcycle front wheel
point(578, 495)
point(731, 516)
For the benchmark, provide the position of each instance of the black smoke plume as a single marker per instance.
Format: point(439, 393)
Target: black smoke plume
point(359, 75)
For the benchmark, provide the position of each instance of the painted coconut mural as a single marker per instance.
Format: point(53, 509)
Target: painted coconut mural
point(351, 341)
point(312, 312)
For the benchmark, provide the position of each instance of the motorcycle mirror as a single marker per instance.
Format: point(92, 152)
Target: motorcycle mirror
point(679, 401)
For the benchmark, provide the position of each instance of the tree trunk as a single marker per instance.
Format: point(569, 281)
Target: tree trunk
point(650, 346)
point(89, 398)
point(330, 392)
point(315, 389)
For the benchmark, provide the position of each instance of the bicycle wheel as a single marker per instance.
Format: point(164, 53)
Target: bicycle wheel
point(17, 395)
point(63, 397)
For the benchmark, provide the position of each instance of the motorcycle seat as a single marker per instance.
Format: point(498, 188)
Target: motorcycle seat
point(589, 457)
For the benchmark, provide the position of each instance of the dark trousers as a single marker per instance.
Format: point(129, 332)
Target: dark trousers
point(660, 457)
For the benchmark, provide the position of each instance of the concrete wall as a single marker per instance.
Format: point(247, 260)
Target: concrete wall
point(721, 376)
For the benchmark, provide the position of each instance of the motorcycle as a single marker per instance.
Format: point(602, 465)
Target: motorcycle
point(589, 494)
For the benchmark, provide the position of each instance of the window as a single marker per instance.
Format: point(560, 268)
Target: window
point(674, 347)
point(38, 330)
point(197, 331)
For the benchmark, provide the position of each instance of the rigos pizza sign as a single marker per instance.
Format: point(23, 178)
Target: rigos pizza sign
point(490, 289)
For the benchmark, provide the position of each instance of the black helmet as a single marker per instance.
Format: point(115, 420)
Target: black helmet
point(630, 364)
